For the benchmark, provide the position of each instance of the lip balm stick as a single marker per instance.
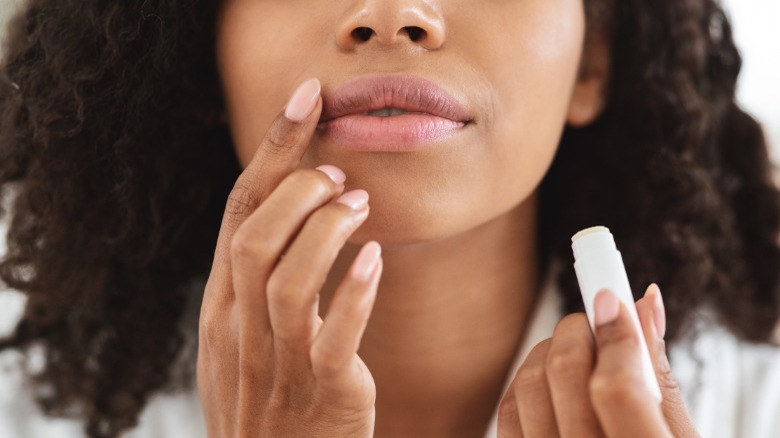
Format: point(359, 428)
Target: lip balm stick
point(598, 265)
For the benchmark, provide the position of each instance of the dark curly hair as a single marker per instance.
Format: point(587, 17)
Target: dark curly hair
point(115, 170)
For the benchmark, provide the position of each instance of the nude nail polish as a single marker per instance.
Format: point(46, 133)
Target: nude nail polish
point(659, 311)
point(606, 308)
point(303, 100)
point(333, 172)
point(366, 261)
point(356, 199)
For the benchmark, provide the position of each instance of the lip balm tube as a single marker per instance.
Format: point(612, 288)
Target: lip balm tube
point(599, 265)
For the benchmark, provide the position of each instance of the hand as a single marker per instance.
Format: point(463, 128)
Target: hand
point(268, 365)
point(578, 385)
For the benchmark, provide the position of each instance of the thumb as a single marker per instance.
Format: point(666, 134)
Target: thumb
point(652, 316)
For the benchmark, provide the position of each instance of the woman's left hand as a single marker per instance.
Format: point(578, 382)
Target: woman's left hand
point(579, 385)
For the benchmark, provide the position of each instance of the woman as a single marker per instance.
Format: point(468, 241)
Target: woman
point(485, 134)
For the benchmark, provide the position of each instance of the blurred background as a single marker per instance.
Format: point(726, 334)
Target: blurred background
point(757, 32)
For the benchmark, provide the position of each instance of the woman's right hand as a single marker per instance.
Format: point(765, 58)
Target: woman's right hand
point(268, 365)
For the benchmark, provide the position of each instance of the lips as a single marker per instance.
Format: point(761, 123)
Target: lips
point(390, 114)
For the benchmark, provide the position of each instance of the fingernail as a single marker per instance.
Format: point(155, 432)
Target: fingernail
point(606, 308)
point(336, 174)
point(303, 100)
point(356, 199)
point(366, 261)
point(659, 311)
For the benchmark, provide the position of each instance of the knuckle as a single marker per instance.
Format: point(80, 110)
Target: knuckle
point(667, 382)
point(615, 389)
point(278, 141)
point(211, 327)
point(664, 374)
point(571, 356)
point(530, 377)
point(278, 293)
point(573, 323)
point(324, 360)
point(569, 362)
point(312, 182)
point(330, 220)
point(507, 410)
point(285, 292)
point(241, 201)
point(246, 250)
point(359, 309)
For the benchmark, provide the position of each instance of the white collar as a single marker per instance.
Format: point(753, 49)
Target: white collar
point(546, 314)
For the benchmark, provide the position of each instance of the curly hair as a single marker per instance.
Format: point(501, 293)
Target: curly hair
point(117, 172)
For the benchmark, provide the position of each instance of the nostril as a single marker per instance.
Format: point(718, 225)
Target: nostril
point(363, 33)
point(415, 33)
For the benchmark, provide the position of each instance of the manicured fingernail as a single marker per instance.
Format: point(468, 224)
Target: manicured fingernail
point(333, 172)
point(659, 311)
point(303, 100)
point(366, 261)
point(606, 308)
point(356, 199)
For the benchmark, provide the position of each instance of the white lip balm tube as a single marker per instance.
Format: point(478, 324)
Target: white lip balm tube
point(598, 265)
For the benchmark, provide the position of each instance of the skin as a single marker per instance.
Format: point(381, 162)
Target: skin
point(430, 198)
point(286, 343)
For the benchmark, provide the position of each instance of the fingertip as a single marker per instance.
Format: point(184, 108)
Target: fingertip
point(354, 199)
point(652, 290)
point(659, 310)
point(303, 101)
point(333, 172)
point(367, 261)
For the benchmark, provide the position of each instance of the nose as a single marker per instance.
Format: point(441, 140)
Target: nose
point(392, 22)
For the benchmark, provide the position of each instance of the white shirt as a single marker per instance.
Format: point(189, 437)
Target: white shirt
point(732, 388)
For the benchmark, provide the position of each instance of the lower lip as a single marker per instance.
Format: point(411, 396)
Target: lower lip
point(401, 133)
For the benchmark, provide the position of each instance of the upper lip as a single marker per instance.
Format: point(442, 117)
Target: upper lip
point(407, 93)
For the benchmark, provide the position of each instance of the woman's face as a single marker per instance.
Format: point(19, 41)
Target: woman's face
point(510, 65)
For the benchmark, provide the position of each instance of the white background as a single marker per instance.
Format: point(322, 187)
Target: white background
point(757, 31)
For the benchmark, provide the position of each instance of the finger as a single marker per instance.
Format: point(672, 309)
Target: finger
point(278, 154)
point(653, 318)
point(509, 417)
point(261, 239)
point(294, 285)
point(336, 345)
point(570, 363)
point(532, 394)
point(621, 400)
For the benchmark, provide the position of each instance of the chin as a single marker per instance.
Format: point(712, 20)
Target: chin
point(392, 233)
point(393, 225)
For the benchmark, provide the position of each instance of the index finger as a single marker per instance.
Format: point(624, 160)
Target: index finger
point(278, 155)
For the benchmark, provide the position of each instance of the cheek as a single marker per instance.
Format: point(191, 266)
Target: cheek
point(258, 42)
point(530, 65)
